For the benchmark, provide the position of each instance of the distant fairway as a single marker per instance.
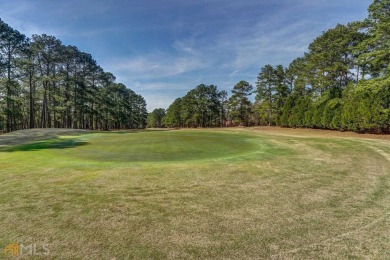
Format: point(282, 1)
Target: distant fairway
point(195, 194)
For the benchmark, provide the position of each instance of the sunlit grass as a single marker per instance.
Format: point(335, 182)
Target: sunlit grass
point(195, 194)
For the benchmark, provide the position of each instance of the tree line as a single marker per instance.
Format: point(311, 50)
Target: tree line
point(342, 82)
point(45, 84)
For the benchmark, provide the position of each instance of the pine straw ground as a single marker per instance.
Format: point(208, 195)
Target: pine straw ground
point(238, 193)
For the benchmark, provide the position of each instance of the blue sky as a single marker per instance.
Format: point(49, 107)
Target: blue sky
point(163, 48)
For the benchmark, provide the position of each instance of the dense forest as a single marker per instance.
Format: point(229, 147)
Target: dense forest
point(44, 84)
point(342, 82)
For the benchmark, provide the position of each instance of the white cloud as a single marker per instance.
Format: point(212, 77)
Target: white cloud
point(186, 46)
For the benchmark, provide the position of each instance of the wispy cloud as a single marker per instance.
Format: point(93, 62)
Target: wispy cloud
point(155, 66)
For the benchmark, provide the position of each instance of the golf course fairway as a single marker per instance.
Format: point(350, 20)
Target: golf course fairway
point(232, 193)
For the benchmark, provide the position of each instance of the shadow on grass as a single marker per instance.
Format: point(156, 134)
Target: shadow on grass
point(22, 137)
point(44, 145)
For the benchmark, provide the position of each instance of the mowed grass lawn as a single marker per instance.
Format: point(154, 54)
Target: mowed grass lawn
point(195, 194)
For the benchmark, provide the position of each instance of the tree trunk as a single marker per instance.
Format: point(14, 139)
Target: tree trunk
point(31, 99)
point(8, 86)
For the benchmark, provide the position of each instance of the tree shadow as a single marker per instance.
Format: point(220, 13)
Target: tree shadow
point(38, 134)
point(44, 145)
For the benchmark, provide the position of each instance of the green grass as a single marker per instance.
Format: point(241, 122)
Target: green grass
point(195, 194)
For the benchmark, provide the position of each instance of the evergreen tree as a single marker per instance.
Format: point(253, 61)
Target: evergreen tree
point(375, 48)
point(46, 84)
point(240, 105)
point(265, 94)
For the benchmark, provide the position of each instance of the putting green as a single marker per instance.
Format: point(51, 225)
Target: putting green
point(166, 146)
point(144, 146)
